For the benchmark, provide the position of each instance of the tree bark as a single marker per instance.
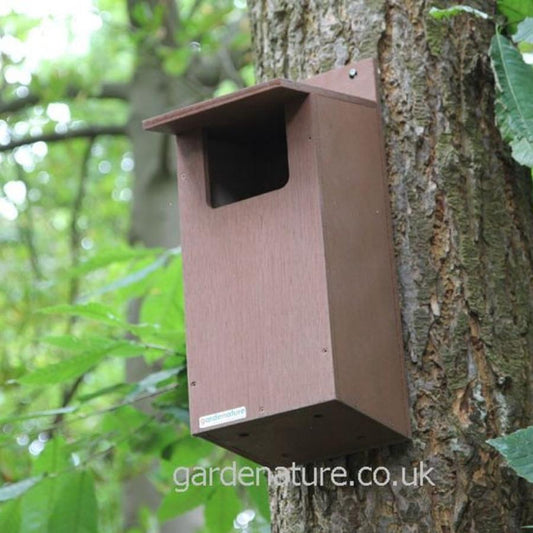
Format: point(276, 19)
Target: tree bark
point(463, 231)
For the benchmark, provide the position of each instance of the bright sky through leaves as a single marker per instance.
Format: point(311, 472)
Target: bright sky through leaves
point(65, 27)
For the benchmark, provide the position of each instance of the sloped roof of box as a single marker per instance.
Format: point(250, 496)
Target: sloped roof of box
point(249, 102)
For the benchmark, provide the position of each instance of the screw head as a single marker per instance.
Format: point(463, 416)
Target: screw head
point(352, 73)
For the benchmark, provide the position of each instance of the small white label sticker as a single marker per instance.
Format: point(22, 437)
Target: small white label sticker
point(222, 417)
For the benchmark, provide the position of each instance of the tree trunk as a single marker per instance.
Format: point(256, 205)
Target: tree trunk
point(463, 230)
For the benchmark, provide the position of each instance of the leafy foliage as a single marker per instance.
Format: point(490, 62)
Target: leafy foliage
point(73, 427)
point(130, 432)
point(221, 509)
point(515, 11)
point(75, 509)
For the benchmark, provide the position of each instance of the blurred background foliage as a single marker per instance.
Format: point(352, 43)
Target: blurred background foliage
point(74, 429)
point(91, 283)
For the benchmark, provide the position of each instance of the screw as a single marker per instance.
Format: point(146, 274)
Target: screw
point(193, 383)
point(352, 73)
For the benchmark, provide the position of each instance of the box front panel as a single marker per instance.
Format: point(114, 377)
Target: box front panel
point(258, 339)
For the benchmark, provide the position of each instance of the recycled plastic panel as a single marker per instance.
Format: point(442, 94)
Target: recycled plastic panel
point(293, 339)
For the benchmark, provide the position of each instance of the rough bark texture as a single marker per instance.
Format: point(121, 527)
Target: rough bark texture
point(463, 235)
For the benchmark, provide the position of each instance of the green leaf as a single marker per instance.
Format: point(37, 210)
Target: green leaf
point(75, 509)
point(176, 503)
point(258, 493)
point(179, 414)
point(226, 87)
point(517, 448)
point(190, 450)
point(106, 345)
point(248, 74)
point(515, 10)
point(151, 382)
point(10, 518)
point(164, 306)
point(62, 371)
point(72, 343)
point(95, 311)
point(100, 313)
point(453, 11)
point(175, 61)
point(525, 31)
point(14, 490)
point(125, 348)
point(124, 420)
point(259, 497)
point(135, 277)
point(39, 414)
point(221, 510)
point(109, 257)
point(36, 505)
point(53, 458)
point(514, 105)
point(141, 13)
point(117, 387)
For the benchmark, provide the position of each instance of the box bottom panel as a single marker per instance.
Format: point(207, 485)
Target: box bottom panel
point(302, 436)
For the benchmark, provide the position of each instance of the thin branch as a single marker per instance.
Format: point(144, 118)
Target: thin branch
point(18, 104)
point(119, 91)
point(127, 401)
point(91, 132)
point(97, 412)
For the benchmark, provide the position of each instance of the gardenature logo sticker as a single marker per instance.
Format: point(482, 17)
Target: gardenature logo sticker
point(207, 421)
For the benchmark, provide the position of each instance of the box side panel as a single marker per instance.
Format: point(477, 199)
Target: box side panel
point(258, 333)
point(367, 344)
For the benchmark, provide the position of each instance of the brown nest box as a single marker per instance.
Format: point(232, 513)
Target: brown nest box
point(293, 331)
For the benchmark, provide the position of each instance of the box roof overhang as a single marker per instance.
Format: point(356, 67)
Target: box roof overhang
point(251, 102)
